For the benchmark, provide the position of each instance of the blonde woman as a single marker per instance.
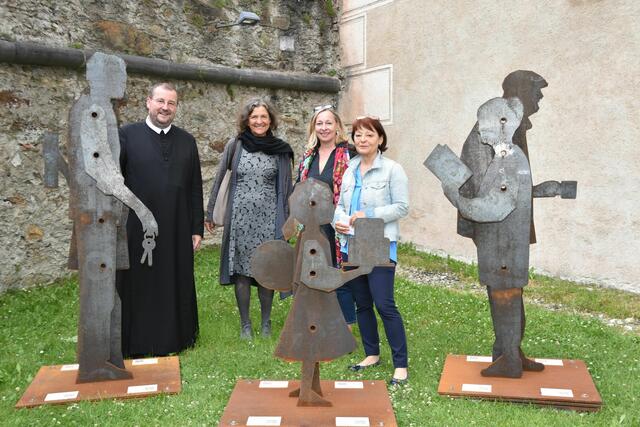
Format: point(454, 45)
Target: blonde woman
point(326, 158)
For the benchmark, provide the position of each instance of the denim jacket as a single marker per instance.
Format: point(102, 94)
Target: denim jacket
point(385, 194)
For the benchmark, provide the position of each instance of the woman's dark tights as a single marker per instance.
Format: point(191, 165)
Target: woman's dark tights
point(243, 297)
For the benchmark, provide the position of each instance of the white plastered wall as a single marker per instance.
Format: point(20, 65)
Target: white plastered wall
point(424, 67)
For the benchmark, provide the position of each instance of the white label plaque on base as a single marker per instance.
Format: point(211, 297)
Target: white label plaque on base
point(352, 421)
point(149, 388)
point(556, 392)
point(273, 384)
point(479, 388)
point(72, 367)
point(349, 384)
point(264, 421)
point(479, 359)
point(550, 362)
point(138, 362)
point(65, 395)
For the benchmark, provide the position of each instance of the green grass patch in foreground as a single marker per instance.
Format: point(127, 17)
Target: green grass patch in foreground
point(39, 326)
point(589, 298)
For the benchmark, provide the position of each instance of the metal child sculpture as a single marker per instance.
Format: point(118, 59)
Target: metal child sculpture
point(500, 214)
point(315, 329)
point(98, 242)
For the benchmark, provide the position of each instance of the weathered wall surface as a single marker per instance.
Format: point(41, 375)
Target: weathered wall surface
point(34, 224)
point(435, 63)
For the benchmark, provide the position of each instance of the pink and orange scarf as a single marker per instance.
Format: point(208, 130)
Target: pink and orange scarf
point(340, 163)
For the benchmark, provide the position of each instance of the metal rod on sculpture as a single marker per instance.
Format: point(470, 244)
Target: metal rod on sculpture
point(50, 153)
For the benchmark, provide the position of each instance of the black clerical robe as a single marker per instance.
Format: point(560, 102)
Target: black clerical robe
point(159, 309)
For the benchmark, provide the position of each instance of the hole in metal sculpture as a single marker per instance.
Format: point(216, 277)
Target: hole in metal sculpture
point(313, 328)
point(94, 114)
point(312, 251)
point(312, 273)
point(312, 203)
point(504, 267)
point(503, 188)
point(96, 154)
point(503, 120)
point(101, 220)
point(103, 265)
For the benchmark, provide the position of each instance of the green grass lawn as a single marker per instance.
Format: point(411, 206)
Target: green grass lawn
point(588, 298)
point(39, 328)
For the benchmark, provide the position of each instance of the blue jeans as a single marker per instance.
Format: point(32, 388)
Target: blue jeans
point(376, 288)
point(347, 303)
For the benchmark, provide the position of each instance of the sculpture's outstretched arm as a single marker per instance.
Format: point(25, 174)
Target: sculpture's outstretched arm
point(100, 165)
point(564, 189)
point(453, 173)
point(317, 274)
point(492, 207)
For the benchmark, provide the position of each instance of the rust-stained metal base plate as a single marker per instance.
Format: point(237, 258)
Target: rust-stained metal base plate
point(564, 384)
point(57, 384)
point(255, 402)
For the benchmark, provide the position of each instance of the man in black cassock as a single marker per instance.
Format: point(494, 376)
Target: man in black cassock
point(161, 166)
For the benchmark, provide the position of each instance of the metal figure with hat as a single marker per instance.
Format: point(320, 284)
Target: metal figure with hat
point(497, 214)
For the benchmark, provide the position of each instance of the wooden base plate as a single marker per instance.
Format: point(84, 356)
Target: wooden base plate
point(57, 384)
point(267, 403)
point(564, 384)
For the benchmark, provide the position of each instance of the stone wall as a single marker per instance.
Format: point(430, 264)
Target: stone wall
point(34, 221)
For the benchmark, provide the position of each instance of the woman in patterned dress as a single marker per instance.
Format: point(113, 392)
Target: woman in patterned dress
point(260, 186)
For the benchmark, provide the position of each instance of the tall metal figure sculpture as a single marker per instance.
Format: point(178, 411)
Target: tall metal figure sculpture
point(499, 217)
point(315, 329)
point(527, 87)
point(98, 242)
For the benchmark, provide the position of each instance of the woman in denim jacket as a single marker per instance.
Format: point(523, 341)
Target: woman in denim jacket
point(375, 187)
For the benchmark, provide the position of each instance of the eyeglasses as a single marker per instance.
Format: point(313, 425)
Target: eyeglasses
point(368, 117)
point(162, 102)
point(322, 108)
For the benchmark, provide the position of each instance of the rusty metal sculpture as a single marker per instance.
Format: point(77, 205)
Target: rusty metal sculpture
point(315, 329)
point(497, 214)
point(527, 87)
point(97, 193)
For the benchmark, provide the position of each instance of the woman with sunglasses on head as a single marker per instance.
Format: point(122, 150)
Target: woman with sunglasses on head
point(375, 187)
point(326, 158)
point(257, 208)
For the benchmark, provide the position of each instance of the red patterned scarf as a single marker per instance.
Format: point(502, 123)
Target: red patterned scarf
point(340, 163)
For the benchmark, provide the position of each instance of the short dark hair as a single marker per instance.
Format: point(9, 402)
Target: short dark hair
point(516, 80)
point(164, 85)
point(371, 124)
point(252, 104)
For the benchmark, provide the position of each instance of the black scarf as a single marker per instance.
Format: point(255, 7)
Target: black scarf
point(268, 144)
